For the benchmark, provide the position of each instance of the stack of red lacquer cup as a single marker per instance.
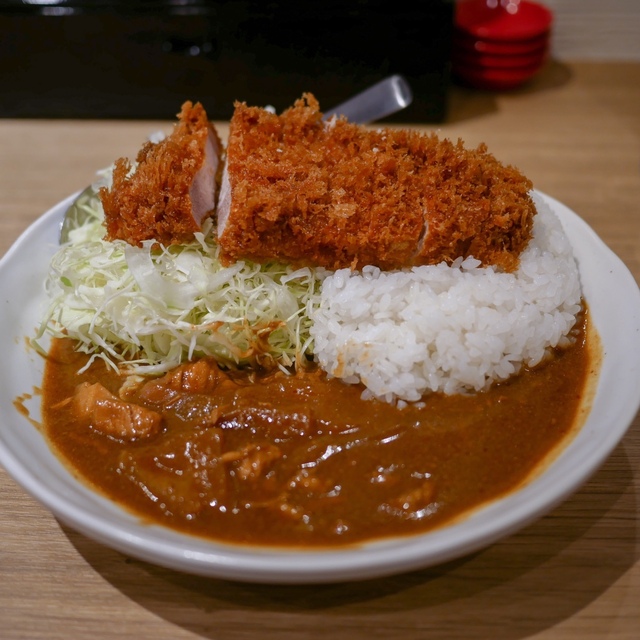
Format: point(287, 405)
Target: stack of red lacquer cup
point(500, 44)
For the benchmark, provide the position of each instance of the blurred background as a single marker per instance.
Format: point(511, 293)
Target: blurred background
point(142, 58)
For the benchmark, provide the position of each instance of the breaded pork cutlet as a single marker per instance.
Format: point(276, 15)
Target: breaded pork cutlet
point(172, 187)
point(336, 194)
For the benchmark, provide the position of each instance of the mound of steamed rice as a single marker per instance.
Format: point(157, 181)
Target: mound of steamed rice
point(448, 328)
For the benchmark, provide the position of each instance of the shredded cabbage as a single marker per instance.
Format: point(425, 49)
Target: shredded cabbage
point(150, 309)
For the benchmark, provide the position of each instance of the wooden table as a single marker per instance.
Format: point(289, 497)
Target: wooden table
point(574, 574)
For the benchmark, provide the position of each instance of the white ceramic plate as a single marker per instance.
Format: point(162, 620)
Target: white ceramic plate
point(614, 300)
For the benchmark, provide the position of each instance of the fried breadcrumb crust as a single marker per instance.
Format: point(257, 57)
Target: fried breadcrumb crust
point(341, 195)
point(154, 202)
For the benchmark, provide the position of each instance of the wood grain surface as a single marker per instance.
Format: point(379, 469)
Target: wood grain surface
point(574, 574)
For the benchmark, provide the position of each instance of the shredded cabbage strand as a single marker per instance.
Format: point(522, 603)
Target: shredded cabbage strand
point(151, 308)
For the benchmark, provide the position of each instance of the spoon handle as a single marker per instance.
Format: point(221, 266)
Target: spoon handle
point(381, 99)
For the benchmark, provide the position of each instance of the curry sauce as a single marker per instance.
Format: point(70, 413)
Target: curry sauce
point(302, 460)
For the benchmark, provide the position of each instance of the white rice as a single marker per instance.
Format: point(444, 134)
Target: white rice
point(450, 329)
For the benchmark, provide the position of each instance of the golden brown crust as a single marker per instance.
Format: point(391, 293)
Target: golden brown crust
point(475, 206)
point(341, 195)
point(154, 202)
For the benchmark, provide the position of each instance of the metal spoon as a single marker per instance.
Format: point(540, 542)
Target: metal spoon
point(78, 212)
point(378, 101)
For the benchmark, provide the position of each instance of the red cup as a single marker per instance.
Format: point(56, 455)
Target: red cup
point(461, 58)
point(495, 78)
point(474, 45)
point(503, 20)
